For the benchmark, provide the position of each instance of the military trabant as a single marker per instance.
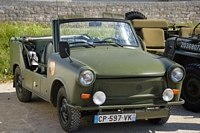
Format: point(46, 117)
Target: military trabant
point(95, 66)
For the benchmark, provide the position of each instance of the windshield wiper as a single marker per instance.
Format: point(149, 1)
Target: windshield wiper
point(108, 42)
point(90, 44)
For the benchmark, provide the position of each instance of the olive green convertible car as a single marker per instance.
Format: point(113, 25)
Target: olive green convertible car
point(95, 66)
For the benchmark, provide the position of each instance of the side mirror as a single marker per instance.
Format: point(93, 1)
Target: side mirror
point(170, 48)
point(64, 49)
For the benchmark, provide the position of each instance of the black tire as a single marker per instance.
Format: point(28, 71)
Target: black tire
point(134, 15)
point(69, 117)
point(161, 121)
point(191, 88)
point(23, 94)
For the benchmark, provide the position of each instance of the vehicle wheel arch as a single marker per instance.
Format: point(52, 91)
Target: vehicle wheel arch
point(56, 85)
point(185, 60)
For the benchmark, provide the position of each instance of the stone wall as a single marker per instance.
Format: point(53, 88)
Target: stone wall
point(43, 11)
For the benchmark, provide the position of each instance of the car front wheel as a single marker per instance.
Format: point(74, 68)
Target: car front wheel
point(69, 118)
point(161, 121)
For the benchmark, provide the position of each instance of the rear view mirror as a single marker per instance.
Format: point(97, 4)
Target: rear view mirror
point(170, 48)
point(95, 24)
point(64, 49)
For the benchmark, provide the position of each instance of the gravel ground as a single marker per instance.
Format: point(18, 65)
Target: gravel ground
point(39, 116)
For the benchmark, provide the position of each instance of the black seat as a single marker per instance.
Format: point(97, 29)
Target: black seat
point(40, 46)
point(48, 50)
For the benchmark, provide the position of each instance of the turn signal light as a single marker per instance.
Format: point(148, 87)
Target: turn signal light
point(176, 92)
point(85, 96)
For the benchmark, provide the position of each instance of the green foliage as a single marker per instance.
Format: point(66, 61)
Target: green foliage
point(190, 25)
point(184, 24)
point(10, 29)
point(99, 32)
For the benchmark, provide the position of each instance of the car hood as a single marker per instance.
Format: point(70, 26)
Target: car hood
point(121, 62)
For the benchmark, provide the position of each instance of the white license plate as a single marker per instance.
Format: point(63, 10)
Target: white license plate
point(114, 118)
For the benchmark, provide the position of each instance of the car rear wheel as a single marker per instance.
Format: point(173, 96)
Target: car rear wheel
point(69, 118)
point(191, 88)
point(23, 94)
point(161, 121)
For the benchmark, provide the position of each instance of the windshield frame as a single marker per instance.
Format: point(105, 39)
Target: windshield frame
point(57, 23)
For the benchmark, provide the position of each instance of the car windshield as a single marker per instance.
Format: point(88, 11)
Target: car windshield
point(97, 33)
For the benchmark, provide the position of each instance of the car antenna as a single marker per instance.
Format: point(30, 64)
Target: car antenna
point(57, 8)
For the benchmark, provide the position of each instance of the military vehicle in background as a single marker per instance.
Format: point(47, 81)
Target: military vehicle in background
point(178, 43)
point(185, 50)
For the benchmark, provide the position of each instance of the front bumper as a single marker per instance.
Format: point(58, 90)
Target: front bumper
point(181, 101)
point(142, 111)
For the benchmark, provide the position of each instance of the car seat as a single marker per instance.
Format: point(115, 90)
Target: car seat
point(187, 32)
point(152, 33)
point(48, 50)
point(153, 39)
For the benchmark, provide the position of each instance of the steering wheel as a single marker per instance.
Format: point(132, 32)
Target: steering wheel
point(85, 36)
point(193, 33)
point(109, 38)
point(89, 38)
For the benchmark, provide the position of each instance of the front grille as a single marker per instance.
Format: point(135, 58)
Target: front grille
point(131, 91)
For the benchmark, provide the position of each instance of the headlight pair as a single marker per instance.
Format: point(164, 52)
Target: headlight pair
point(177, 74)
point(86, 78)
point(168, 94)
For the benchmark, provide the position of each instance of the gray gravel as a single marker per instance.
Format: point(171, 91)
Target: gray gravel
point(39, 116)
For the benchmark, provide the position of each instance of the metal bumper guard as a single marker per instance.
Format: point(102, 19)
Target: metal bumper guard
point(143, 111)
point(181, 101)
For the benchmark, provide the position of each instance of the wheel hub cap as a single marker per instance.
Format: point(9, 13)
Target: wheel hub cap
point(19, 84)
point(63, 111)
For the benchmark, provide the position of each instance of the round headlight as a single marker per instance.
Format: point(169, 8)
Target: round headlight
point(99, 98)
point(168, 95)
point(177, 74)
point(86, 77)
